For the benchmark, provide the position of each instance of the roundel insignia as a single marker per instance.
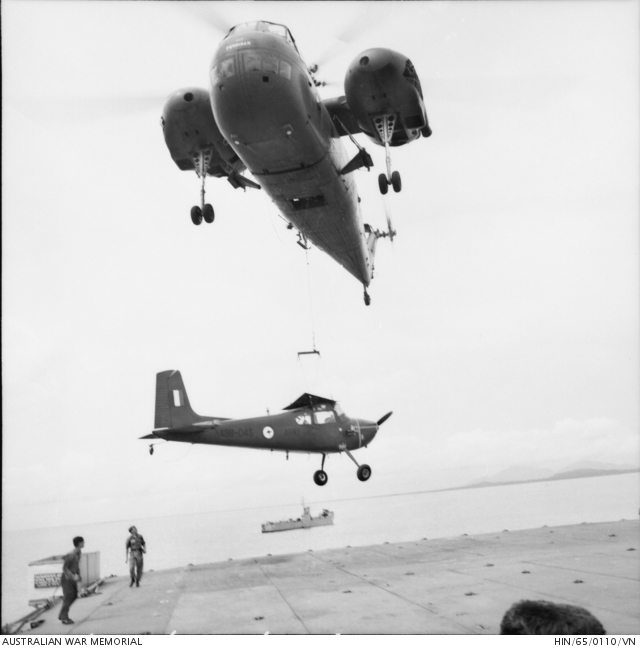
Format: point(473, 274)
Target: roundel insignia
point(267, 431)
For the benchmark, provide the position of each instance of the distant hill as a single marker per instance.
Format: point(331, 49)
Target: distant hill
point(519, 475)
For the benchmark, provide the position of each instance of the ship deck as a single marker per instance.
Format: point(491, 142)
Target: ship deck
point(459, 585)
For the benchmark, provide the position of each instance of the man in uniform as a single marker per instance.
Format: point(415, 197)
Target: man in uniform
point(70, 579)
point(135, 548)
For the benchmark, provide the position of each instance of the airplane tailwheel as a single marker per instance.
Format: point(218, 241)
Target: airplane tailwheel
point(396, 181)
point(364, 472)
point(196, 215)
point(150, 449)
point(383, 183)
point(320, 478)
point(208, 213)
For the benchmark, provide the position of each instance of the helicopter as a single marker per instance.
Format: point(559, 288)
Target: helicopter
point(263, 113)
point(311, 424)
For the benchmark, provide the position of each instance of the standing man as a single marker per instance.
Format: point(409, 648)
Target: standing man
point(70, 579)
point(135, 548)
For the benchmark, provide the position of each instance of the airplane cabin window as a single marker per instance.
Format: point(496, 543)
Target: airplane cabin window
point(325, 417)
point(340, 412)
point(303, 419)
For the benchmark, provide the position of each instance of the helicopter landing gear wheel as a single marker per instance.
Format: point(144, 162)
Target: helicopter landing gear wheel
point(208, 213)
point(196, 215)
point(383, 184)
point(320, 478)
point(364, 472)
point(396, 181)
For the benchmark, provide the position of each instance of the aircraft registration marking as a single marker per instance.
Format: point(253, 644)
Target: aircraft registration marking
point(235, 432)
point(237, 44)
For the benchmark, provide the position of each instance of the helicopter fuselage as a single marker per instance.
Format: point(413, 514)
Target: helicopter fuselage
point(267, 106)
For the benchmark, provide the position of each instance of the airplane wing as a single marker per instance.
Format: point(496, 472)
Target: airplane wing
point(309, 400)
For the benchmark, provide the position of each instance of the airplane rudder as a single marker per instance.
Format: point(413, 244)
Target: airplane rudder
point(163, 405)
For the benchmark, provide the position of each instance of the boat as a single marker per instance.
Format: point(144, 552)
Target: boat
point(306, 520)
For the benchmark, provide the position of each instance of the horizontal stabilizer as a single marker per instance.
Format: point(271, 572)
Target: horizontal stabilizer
point(150, 436)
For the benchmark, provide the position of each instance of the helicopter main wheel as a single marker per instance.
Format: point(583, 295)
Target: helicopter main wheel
point(208, 213)
point(383, 183)
point(320, 478)
point(396, 181)
point(196, 215)
point(364, 472)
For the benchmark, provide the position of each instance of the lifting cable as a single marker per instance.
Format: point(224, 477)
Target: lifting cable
point(313, 331)
point(313, 334)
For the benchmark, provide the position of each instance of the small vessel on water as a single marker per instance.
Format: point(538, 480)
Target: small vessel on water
point(306, 520)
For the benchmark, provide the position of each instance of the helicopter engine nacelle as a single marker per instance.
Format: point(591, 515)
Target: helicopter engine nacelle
point(379, 83)
point(190, 129)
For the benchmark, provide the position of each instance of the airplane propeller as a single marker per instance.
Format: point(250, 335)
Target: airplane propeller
point(383, 419)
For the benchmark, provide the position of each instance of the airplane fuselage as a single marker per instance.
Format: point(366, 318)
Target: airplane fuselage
point(269, 111)
point(281, 432)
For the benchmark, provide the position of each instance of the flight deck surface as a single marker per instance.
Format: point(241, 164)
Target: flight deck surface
point(460, 585)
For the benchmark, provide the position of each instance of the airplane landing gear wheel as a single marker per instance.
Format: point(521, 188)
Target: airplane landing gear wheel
point(367, 298)
point(196, 215)
point(396, 181)
point(364, 472)
point(383, 184)
point(208, 213)
point(150, 449)
point(320, 478)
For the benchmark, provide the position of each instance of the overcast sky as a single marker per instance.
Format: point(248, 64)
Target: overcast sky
point(503, 329)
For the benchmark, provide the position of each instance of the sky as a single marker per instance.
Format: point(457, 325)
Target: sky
point(503, 328)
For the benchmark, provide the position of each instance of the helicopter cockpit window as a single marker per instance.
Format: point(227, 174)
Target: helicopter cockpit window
point(226, 68)
point(285, 70)
point(251, 61)
point(281, 30)
point(254, 62)
point(269, 63)
point(303, 419)
point(262, 26)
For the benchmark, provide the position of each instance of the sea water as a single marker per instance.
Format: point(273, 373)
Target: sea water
point(176, 541)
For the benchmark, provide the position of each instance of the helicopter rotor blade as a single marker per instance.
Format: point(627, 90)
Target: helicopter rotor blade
point(63, 111)
point(206, 14)
point(387, 212)
point(363, 21)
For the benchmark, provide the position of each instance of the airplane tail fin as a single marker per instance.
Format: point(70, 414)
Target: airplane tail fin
point(173, 409)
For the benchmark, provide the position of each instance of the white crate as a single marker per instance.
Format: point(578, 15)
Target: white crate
point(43, 576)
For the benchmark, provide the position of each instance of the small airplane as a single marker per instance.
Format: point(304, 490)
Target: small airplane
point(263, 113)
point(311, 424)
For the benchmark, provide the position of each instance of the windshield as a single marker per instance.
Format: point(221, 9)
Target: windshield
point(262, 26)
